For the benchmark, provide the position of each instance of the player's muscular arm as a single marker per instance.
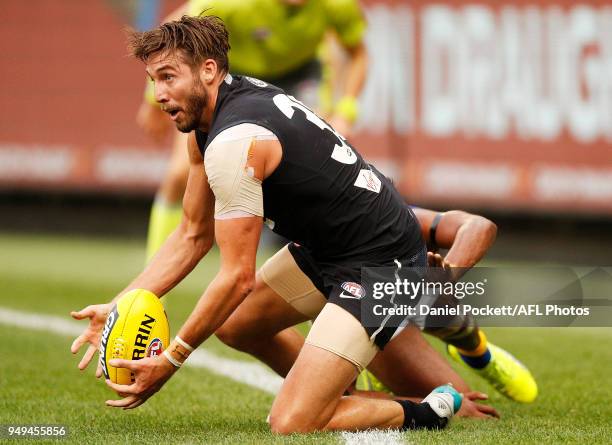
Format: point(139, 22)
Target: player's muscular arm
point(191, 240)
point(467, 236)
point(176, 258)
point(238, 239)
point(265, 156)
point(228, 164)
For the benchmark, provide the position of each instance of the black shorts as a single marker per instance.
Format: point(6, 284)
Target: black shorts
point(341, 282)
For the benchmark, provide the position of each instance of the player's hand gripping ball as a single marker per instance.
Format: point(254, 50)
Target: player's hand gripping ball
point(136, 327)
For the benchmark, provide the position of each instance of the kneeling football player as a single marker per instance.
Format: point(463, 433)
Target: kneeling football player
point(255, 151)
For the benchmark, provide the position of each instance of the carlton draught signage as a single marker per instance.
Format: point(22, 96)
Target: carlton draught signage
point(493, 103)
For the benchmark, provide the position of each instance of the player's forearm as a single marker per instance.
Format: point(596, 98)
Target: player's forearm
point(221, 298)
point(472, 240)
point(357, 71)
point(346, 110)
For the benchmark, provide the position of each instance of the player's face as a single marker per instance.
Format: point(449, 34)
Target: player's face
point(179, 91)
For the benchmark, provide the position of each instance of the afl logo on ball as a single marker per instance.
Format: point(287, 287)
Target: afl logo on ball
point(155, 348)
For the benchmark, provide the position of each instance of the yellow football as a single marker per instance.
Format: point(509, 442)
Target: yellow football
point(136, 327)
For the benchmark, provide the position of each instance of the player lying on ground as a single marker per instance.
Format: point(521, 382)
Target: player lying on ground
point(264, 151)
point(408, 366)
point(468, 237)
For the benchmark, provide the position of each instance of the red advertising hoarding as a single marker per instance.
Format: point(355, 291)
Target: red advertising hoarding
point(504, 104)
point(494, 103)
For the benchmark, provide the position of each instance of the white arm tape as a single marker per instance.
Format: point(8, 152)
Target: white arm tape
point(183, 343)
point(171, 359)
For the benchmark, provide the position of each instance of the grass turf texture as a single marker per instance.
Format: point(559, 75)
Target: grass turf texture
point(39, 382)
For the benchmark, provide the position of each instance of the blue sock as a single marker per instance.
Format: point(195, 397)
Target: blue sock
point(477, 362)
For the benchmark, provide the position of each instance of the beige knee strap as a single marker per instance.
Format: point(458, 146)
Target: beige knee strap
point(282, 274)
point(337, 331)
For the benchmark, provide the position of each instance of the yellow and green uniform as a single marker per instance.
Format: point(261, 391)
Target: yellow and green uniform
point(164, 218)
point(270, 38)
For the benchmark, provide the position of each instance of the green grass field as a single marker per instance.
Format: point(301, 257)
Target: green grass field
point(39, 381)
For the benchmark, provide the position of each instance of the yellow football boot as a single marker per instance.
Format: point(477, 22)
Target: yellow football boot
point(366, 381)
point(505, 373)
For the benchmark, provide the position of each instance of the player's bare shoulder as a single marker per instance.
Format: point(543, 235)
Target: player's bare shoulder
point(265, 157)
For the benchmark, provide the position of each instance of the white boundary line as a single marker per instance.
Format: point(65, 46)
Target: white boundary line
point(373, 437)
point(252, 374)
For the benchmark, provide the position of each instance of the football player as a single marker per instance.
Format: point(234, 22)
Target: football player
point(280, 42)
point(256, 151)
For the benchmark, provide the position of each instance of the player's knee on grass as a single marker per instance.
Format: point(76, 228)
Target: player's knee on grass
point(283, 424)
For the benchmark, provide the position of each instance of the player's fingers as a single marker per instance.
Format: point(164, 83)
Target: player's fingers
point(132, 365)
point(77, 315)
point(434, 259)
point(83, 313)
point(476, 395)
point(136, 404)
point(122, 402)
point(430, 259)
point(126, 389)
point(488, 410)
point(99, 370)
point(87, 357)
point(77, 343)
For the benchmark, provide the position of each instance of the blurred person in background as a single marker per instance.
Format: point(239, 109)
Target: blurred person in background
point(278, 41)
